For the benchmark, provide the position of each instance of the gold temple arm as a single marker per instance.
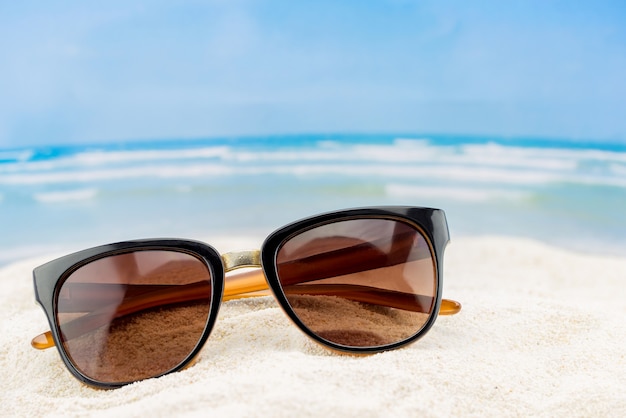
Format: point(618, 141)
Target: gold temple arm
point(253, 284)
point(43, 341)
point(242, 285)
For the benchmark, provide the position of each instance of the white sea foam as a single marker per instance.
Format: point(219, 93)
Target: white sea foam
point(115, 157)
point(87, 176)
point(66, 196)
point(88, 159)
point(400, 151)
point(405, 158)
point(458, 173)
point(419, 151)
point(412, 141)
point(289, 156)
point(494, 154)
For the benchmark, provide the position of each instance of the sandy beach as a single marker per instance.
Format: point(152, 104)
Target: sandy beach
point(541, 333)
point(222, 121)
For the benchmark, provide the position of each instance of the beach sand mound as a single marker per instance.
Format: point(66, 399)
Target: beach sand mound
point(541, 333)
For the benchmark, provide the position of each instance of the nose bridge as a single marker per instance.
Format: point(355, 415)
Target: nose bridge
point(241, 259)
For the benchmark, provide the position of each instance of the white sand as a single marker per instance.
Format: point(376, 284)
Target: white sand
point(542, 333)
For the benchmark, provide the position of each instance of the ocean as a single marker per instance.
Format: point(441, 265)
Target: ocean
point(67, 197)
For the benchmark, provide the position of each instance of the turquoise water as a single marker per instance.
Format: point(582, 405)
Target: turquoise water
point(568, 193)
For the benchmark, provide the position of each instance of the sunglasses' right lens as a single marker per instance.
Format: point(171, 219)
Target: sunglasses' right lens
point(133, 316)
point(360, 282)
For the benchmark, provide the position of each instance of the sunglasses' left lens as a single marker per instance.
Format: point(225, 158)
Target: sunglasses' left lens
point(135, 315)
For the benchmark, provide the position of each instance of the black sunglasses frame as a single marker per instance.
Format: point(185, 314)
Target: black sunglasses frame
point(49, 277)
point(430, 222)
point(47, 288)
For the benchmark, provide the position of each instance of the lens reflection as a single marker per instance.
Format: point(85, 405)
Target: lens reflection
point(133, 316)
point(360, 282)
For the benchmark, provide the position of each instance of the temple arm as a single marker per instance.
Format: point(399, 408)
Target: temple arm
point(243, 285)
point(253, 284)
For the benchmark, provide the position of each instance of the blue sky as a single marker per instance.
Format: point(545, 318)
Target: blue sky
point(74, 72)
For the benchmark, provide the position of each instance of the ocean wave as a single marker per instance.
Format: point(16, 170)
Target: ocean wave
point(420, 151)
point(414, 155)
point(16, 156)
point(66, 195)
point(421, 158)
point(456, 173)
point(498, 155)
point(11, 157)
point(401, 151)
point(88, 159)
point(87, 176)
point(116, 157)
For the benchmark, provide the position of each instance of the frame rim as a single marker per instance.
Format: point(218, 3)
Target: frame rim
point(49, 277)
point(430, 222)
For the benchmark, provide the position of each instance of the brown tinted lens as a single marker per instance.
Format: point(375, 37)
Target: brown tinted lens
point(133, 316)
point(360, 282)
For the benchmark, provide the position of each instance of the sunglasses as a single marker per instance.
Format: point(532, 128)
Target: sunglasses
point(356, 281)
